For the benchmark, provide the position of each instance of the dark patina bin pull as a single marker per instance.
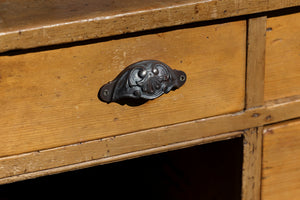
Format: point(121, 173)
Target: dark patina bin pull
point(145, 80)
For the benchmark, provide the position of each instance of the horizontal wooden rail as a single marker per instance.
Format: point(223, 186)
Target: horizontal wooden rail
point(112, 149)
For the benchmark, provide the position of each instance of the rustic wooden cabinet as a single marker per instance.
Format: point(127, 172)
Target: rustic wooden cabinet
point(241, 59)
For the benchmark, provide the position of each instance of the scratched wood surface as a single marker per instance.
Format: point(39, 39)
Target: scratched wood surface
point(281, 161)
point(282, 67)
point(49, 98)
point(33, 23)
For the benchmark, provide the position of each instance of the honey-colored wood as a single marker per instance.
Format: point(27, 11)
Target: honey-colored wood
point(102, 152)
point(281, 161)
point(49, 98)
point(256, 61)
point(34, 23)
point(113, 149)
point(282, 70)
point(252, 164)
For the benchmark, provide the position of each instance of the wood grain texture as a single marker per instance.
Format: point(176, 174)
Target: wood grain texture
point(282, 73)
point(49, 98)
point(141, 143)
point(281, 161)
point(256, 62)
point(34, 23)
point(251, 180)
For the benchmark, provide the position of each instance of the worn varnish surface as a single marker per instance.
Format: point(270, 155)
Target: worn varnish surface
point(33, 23)
point(282, 69)
point(281, 161)
point(49, 98)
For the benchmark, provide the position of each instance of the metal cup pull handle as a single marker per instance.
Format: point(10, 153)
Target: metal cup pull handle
point(145, 80)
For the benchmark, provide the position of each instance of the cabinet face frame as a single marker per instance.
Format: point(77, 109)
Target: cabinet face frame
point(256, 96)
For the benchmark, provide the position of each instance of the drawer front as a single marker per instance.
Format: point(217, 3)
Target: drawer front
point(281, 161)
point(282, 67)
point(49, 98)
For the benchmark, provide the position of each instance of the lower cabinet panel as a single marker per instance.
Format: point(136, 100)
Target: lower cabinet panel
point(281, 161)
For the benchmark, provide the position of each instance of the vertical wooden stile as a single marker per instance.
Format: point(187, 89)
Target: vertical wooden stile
point(256, 45)
point(251, 179)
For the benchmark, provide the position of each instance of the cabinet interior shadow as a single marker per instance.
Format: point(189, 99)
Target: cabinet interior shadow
point(211, 171)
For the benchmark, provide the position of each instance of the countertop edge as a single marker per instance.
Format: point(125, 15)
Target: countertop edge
point(118, 24)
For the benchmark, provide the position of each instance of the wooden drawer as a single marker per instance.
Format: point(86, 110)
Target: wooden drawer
point(282, 67)
point(281, 161)
point(49, 98)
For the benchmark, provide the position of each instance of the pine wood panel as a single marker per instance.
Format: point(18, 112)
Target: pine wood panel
point(33, 23)
point(49, 98)
point(282, 70)
point(281, 161)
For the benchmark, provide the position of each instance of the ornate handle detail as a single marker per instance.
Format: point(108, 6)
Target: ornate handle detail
point(146, 80)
